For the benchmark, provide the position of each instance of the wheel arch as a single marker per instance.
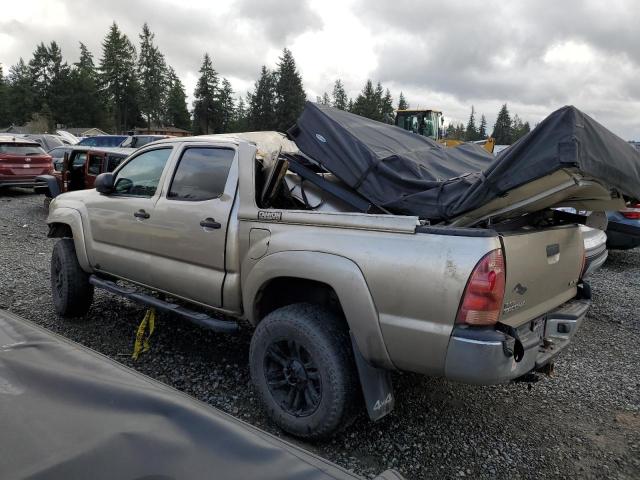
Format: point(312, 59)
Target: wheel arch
point(290, 277)
point(66, 222)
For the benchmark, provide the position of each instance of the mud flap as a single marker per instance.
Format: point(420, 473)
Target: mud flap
point(377, 388)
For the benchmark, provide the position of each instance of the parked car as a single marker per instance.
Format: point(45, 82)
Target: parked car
point(79, 168)
point(137, 141)
point(628, 216)
point(46, 141)
point(57, 156)
point(595, 249)
point(21, 161)
point(102, 141)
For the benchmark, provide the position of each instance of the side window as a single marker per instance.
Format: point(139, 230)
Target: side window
point(141, 175)
point(113, 161)
point(78, 160)
point(95, 164)
point(201, 174)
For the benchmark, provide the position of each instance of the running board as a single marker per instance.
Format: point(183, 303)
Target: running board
point(201, 319)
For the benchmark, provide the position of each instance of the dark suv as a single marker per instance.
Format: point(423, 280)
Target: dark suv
point(21, 161)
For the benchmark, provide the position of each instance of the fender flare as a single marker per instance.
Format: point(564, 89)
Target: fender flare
point(341, 274)
point(73, 219)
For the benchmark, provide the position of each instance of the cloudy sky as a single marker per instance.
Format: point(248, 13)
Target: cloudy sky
point(535, 55)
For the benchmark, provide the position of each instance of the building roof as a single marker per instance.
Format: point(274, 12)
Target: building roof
point(167, 130)
point(85, 131)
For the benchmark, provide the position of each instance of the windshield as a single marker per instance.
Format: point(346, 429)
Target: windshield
point(110, 141)
point(422, 123)
point(21, 149)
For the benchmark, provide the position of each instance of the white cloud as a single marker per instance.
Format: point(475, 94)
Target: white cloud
point(536, 56)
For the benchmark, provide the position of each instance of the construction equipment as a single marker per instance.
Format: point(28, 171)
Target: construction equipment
point(430, 123)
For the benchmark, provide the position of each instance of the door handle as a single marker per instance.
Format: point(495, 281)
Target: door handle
point(141, 214)
point(210, 223)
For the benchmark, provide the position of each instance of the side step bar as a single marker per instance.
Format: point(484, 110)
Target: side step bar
point(201, 319)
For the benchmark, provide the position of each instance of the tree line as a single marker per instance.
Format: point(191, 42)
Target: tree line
point(135, 87)
point(505, 131)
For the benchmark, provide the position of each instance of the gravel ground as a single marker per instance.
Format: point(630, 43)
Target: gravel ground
point(582, 422)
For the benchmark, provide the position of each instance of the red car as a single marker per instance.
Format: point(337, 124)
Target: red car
point(21, 161)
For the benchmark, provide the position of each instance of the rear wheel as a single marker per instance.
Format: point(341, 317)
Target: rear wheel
point(72, 293)
point(303, 368)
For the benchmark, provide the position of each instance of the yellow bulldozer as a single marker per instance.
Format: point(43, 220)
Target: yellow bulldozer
point(429, 122)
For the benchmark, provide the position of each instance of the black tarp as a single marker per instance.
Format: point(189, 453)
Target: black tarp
point(410, 174)
point(67, 412)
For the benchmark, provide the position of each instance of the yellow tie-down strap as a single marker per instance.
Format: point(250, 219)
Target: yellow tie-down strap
point(142, 344)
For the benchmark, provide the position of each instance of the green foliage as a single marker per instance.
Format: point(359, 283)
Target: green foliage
point(176, 112)
point(205, 108)
point(117, 79)
point(502, 128)
point(153, 78)
point(85, 106)
point(241, 117)
point(20, 94)
point(376, 104)
point(289, 92)
point(339, 96)
point(262, 103)
point(402, 103)
point(482, 129)
point(471, 132)
point(518, 128)
point(227, 106)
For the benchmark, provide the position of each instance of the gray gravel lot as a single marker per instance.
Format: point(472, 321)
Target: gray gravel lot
point(582, 422)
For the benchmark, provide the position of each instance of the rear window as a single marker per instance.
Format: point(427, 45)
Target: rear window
point(21, 149)
point(102, 141)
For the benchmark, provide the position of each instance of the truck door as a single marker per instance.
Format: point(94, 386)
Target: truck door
point(190, 224)
point(119, 223)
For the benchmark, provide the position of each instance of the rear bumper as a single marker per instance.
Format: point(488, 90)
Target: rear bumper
point(6, 182)
point(485, 355)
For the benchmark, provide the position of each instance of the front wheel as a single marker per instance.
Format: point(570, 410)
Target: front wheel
point(303, 368)
point(72, 293)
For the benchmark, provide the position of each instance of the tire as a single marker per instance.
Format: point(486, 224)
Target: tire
point(305, 349)
point(70, 288)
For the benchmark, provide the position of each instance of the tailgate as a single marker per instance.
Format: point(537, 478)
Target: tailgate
point(543, 269)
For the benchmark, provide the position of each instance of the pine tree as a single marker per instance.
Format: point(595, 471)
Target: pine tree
point(240, 118)
point(387, 113)
point(366, 103)
point(118, 80)
point(339, 96)
point(482, 129)
point(176, 112)
point(471, 133)
point(152, 77)
point(4, 105)
point(325, 99)
point(290, 95)
point(502, 127)
point(227, 106)
point(262, 105)
point(20, 93)
point(205, 107)
point(350, 106)
point(86, 107)
point(50, 77)
point(402, 103)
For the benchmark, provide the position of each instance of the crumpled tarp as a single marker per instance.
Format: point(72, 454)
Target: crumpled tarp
point(67, 412)
point(410, 174)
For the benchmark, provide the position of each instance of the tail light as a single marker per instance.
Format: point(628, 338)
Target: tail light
point(632, 212)
point(484, 294)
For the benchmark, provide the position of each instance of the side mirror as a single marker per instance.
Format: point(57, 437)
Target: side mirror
point(104, 183)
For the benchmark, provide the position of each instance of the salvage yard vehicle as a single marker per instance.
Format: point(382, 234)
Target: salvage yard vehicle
point(21, 161)
point(103, 141)
point(630, 215)
point(354, 248)
point(79, 169)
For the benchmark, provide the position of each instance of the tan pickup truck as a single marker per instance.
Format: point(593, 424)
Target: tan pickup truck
point(339, 294)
